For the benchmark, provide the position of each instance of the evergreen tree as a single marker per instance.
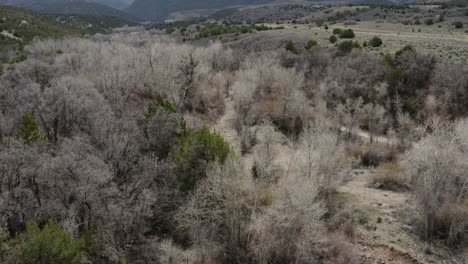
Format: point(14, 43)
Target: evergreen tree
point(29, 132)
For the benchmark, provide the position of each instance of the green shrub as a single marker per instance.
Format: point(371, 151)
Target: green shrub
point(290, 46)
point(337, 31)
point(162, 129)
point(197, 149)
point(333, 39)
point(375, 42)
point(348, 46)
point(417, 22)
point(347, 33)
point(158, 102)
point(405, 48)
point(169, 30)
point(29, 132)
point(310, 44)
point(49, 245)
point(429, 21)
point(458, 24)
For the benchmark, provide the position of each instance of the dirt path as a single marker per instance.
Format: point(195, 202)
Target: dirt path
point(9, 35)
point(413, 35)
point(367, 137)
point(395, 33)
point(387, 237)
point(384, 233)
point(225, 126)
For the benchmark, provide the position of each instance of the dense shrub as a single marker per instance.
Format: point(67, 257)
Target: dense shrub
point(333, 39)
point(347, 33)
point(458, 24)
point(198, 148)
point(337, 31)
point(310, 44)
point(429, 21)
point(348, 46)
point(375, 42)
point(436, 168)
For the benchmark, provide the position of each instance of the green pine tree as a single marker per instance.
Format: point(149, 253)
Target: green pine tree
point(197, 149)
point(29, 132)
point(49, 245)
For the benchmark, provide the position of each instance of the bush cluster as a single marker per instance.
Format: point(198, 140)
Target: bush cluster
point(347, 34)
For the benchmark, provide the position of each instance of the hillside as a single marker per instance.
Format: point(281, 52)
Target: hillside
point(157, 10)
point(19, 27)
point(92, 23)
point(23, 25)
point(69, 7)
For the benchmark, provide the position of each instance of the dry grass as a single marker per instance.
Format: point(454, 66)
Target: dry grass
point(372, 154)
point(389, 176)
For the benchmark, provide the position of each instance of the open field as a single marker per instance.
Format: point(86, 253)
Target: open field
point(453, 46)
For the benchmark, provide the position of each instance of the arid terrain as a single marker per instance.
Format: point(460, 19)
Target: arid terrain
point(258, 132)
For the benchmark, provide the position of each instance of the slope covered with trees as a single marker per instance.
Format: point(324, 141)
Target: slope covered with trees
point(81, 7)
point(18, 27)
point(108, 149)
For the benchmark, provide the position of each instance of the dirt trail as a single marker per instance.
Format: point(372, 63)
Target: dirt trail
point(410, 34)
point(367, 137)
point(9, 35)
point(225, 125)
point(383, 32)
point(385, 238)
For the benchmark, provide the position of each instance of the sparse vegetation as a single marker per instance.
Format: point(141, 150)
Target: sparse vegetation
point(290, 46)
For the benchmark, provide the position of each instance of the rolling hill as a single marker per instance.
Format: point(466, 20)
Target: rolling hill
point(158, 10)
point(80, 7)
point(20, 26)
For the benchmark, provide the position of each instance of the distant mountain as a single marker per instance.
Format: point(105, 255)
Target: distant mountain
point(158, 10)
point(70, 7)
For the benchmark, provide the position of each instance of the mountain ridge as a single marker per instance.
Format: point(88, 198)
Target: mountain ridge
point(159, 10)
